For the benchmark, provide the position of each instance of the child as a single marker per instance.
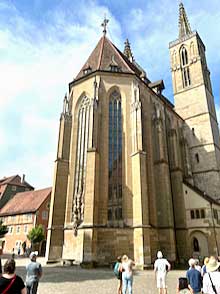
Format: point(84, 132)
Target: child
point(183, 287)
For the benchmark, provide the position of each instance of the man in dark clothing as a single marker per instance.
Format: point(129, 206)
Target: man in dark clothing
point(34, 273)
point(194, 277)
point(0, 266)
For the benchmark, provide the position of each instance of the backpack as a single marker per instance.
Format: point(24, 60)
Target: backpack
point(116, 270)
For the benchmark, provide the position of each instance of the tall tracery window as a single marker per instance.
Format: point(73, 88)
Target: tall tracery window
point(81, 155)
point(185, 67)
point(115, 158)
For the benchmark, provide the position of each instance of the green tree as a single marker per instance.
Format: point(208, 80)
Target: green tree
point(36, 235)
point(3, 229)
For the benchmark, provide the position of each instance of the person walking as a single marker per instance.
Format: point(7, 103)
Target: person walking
point(11, 283)
point(161, 267)
point(211, 280)
point(194, 277)
point(13, 253)
point(34, 273)
point(127, 274)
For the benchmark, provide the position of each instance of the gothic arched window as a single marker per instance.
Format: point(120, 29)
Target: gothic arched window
point(184, 56)
point(195, 244)
point(115, 158)
point(185, 67)
point(81, 155)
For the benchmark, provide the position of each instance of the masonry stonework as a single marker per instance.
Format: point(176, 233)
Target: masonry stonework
point(127, 156)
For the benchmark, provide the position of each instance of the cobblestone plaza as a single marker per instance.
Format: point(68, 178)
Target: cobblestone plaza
point(71, 280)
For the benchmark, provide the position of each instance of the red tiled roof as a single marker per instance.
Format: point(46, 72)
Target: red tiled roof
point(15, 180)
point(105, 54)
point(25, 202)
point(7, 180)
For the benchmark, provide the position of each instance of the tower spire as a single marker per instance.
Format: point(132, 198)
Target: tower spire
point(127, 51)
point(184, 26)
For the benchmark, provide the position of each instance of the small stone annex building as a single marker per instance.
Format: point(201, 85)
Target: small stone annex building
point(134, 173)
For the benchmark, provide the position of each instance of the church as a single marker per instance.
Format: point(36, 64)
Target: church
point(134, 173)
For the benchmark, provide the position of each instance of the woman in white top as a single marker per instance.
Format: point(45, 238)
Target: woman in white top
point(127, 275)
point(211, 280)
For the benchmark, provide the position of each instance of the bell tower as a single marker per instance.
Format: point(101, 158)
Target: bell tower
point(194, 102)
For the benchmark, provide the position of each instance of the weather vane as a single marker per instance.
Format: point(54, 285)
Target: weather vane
point(104, 24)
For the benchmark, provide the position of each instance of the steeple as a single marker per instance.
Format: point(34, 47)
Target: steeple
point(127, 51)
point(184, 26)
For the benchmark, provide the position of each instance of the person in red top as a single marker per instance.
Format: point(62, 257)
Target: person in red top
point(10, 283)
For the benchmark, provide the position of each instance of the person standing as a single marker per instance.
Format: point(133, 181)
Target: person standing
point(11, 283)
point(183, 287)
point(194, 277)
point(203, 271)
point(34, 273)
point(118, 274)
point(127, 274)
point(0, 266)
point(24, 246)
point(211, 280)
point(197, 266)
point(161, 266)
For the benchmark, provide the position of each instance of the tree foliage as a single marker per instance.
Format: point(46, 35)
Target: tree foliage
point(36, 235)
point(3, 229)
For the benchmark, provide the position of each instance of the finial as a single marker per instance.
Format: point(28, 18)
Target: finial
point(184, 26)
point(127, 51)
point(65, 103)
point(104, 25)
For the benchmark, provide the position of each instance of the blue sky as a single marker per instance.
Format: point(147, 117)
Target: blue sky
point(43, 45)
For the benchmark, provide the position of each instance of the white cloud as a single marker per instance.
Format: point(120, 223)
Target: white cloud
point(37, 63)
point(39, 59)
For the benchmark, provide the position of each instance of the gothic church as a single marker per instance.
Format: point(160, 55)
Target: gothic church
point(135, 173)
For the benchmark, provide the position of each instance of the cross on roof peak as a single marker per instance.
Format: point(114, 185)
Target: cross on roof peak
point(104, 25)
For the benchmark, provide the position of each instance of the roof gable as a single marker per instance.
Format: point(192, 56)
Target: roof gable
point(106, 55)
point(201, 193)
point(16, 181)
point(25, 202)
point(10, 180)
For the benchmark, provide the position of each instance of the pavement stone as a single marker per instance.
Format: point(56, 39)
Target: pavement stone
point(73, 279)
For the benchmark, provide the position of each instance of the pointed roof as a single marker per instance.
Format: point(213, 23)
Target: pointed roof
point(25, 202)
point(184, 26)
point(16, 181)
point(105, 55)
point(127, 51)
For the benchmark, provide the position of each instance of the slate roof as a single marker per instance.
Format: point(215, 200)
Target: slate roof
point(105, 54)
point(25, 202)
point(201, 193)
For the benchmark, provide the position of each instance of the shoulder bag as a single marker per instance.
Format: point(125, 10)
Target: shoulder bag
point(9, 285)
point(213, 286)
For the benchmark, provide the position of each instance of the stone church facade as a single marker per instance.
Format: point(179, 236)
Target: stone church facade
point(132, 168)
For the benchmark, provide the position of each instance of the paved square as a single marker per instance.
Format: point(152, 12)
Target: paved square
point(71, 280)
